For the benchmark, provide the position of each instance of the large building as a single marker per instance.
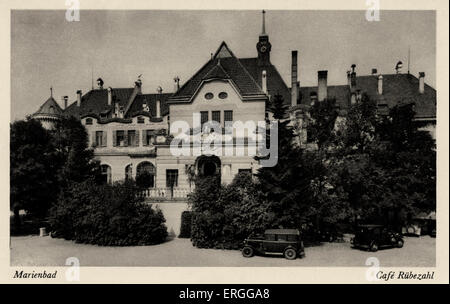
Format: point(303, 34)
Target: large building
point(131, 131)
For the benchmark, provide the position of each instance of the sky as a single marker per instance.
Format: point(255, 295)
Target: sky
point(48, 51)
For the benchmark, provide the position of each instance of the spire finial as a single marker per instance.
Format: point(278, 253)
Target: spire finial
point(51, 91)
point(263, 22)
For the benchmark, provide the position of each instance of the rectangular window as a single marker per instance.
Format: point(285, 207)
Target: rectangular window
point(150, 137)
point(228, 116)
point(131, 138)
point(270, 237)
point(281, 237)
point(120, 138)
point(245, 170)
point(292, 238)
point(140, 120)
point(203, 117)
point(99, 138)
point(216, 116)
point(171, 178)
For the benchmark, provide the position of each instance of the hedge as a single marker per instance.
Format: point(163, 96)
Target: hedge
point(109, 215)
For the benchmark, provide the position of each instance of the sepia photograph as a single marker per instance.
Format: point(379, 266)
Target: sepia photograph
point(254, 138)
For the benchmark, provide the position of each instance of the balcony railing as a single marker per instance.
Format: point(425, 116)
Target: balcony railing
point(166, 193)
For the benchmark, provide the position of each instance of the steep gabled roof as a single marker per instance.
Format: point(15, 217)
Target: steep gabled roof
point(50, 106)
point(275, 83)
point(223, 65)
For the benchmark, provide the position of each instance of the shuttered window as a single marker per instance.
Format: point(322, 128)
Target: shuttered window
point(120, 138)
point(148, 137)
point(99, 138)
point(131, 138)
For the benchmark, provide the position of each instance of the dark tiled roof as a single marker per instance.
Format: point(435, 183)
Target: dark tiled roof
point(400, 88)
point(224, 65)
point(397, 89)
point(150, 100)
point(96, 102)
point(49, 107)
point(275, 84)
point(340, 92)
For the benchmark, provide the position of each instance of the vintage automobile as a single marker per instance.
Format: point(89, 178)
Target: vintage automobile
point(374, 237)
point(286, 242)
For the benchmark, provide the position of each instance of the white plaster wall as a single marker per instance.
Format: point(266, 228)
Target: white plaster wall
point(242, 110)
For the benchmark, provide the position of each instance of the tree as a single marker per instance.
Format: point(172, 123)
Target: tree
point(33, 170)
point(287, 185)
point(360, 125)
point(322, 122)
point(73, 154)
point(391, 171)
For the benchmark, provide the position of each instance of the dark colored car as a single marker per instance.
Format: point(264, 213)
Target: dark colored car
point(275, 241)
point(374, 237)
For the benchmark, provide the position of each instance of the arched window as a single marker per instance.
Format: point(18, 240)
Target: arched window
point(105, 174)
point(145, 175)
point(51, 110)
point(129, 172)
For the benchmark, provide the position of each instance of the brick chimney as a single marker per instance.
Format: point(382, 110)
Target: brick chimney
point(380, 84)
point(322, 85)
point(109, 96)
point(264, 81)
point(158, 108)
point(294, 77)
point(349, 79)
point(176, 85)
point(421, 82)
point(79, 93)
point(353, 77)
point(64, 100)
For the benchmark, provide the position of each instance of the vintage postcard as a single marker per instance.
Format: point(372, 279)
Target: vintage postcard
point(185, 142)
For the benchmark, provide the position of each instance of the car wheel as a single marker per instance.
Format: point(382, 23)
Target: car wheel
point(247, 252)
point(290, 254)
point(373, 247)
point(400, 243)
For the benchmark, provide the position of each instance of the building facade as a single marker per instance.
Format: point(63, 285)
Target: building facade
point(132, 132)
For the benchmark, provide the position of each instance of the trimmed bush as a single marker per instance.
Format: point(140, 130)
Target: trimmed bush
point(186, 224)
point(109, 215)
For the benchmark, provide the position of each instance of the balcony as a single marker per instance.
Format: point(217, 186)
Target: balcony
point(165, 194)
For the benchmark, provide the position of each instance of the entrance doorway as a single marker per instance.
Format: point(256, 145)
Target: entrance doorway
point(208, 165)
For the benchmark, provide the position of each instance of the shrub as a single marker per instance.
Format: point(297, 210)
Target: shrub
point(110, 215)
point(186, 224)
point(223, 216)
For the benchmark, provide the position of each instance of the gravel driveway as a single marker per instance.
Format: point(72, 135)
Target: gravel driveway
point(45, 251)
